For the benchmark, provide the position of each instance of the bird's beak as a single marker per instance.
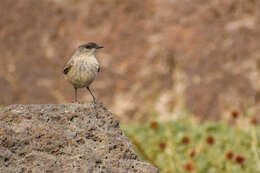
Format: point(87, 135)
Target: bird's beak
point(99, 47)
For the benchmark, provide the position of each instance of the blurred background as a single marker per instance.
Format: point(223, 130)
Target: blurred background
point(160, 57)
point(163, 59)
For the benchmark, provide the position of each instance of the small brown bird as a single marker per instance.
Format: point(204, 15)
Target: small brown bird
point(82, 68)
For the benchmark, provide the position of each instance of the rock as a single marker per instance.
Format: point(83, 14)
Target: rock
point(65, 138)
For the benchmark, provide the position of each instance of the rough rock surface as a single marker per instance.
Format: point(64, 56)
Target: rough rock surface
point(65, 138)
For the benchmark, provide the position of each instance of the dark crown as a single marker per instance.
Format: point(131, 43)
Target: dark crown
point(89, 45)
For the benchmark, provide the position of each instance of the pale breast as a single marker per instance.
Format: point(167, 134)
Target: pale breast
point(83, 72)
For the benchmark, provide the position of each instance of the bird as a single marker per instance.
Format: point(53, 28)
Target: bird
point(82, 68)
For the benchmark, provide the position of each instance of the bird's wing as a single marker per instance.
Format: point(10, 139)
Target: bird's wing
point(68, 66)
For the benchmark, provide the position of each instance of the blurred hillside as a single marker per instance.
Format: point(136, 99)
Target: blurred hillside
point(160, 57)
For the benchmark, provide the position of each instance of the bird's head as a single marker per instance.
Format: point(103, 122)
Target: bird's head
point(90, 47)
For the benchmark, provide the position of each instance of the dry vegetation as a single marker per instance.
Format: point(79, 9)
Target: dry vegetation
point(185, 146)
point(162, 60)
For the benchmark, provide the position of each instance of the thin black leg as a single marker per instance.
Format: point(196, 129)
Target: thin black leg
point(76, 94)
point(94, 99)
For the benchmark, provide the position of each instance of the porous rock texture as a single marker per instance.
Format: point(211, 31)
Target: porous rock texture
point(66, 138)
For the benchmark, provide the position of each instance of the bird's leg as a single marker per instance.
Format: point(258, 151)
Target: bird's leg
point(76, 95)
point(94, 99)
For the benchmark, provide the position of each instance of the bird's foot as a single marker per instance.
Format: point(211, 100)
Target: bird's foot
point(95, 102)
point(76, 102)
